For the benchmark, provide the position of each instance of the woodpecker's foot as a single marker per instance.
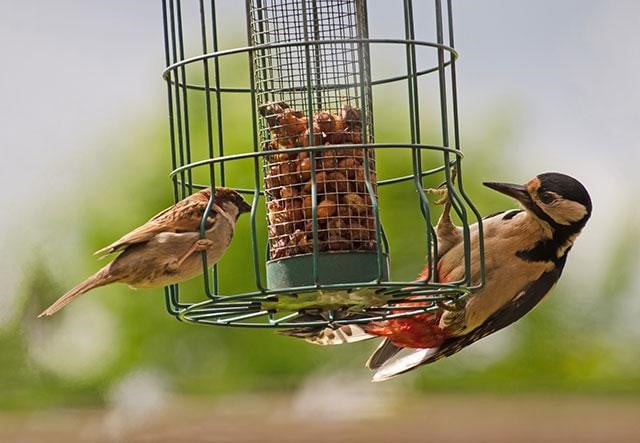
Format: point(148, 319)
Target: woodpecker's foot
point(451, 305)
point(442, 192)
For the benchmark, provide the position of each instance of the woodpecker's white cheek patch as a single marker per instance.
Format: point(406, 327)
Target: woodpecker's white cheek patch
point(567, 212)
point(563, 212)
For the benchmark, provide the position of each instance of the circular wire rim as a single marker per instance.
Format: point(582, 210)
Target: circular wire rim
point(235, 310)
point(436, 291)
point(256, 154)
point(250, 49)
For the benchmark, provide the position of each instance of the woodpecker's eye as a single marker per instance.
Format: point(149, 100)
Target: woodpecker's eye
point(546, 197)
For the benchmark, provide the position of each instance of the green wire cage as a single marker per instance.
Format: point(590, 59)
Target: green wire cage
point(310, 165)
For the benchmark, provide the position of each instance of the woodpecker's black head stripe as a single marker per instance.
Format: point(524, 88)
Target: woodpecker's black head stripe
point(543, 215)
point(510, 214)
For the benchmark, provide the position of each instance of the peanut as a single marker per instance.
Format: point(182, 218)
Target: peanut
point(356, 202)
point(326, 159)
point(304, 168)
point(321, 178)
point(325, 121)
point(337, 182)
point(326, 208)
point(303, 139)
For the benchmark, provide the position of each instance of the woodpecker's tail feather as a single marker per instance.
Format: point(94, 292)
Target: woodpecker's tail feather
point(98, 279)
point(382, 354)
point(329, 335)
point(403, 363)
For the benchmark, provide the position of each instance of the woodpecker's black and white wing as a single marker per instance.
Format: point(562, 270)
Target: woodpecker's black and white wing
point(383, 353)
point(449, 235)
point(329, 335)
point(520, 305)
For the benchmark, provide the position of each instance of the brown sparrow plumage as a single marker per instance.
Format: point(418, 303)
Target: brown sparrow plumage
point(164, 250)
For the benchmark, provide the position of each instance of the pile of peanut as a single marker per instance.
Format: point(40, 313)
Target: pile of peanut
point(344, 210)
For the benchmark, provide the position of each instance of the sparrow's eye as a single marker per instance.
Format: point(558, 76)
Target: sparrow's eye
point(546, 197)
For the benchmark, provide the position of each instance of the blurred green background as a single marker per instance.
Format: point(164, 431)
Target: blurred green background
point(116, 360)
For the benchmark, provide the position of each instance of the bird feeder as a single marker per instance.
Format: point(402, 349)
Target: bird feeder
point(311, 158)
point(313, 89)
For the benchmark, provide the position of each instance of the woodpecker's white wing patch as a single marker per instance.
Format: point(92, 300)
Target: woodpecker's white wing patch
point(382, 354)
point(340, 335)
point(402, 364)
point(330, 335)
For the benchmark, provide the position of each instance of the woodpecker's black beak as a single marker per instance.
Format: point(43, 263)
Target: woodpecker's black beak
point(519, 192)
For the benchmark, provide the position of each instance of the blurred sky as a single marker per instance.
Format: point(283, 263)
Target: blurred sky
point(566, 73)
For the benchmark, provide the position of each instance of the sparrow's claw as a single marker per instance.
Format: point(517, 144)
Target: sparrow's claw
point(201, 245)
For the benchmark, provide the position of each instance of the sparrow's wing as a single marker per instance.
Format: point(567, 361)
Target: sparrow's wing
point(184, 216)
point(522, 303)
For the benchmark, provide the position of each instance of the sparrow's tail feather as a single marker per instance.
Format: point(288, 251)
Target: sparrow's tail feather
point(325, 336)
point(382, 354)
point(102, 253)
point(100, 278)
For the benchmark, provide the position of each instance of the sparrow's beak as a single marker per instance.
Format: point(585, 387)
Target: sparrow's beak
point(244, 207)
point(519, 192)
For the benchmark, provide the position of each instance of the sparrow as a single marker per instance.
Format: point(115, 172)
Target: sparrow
point(164, 250)
point(525, 251)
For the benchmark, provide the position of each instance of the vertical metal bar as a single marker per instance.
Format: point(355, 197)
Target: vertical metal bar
point(312, 155)
point(168, 291)
point(456, 133)
point(318, 65)
point(207, 91)
point(442, 81)
point(185, 102)
point(368, 104)
point(176, 87)
point(172, 293)
point(216, 73)
point(211, 293)
point(411, 84)
point(167, 61)
point(365, 92)
point(256, 161)
point(444, 117)
point(414, 117)
point(364, 14)
point(168, 302)
point(267, 62)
